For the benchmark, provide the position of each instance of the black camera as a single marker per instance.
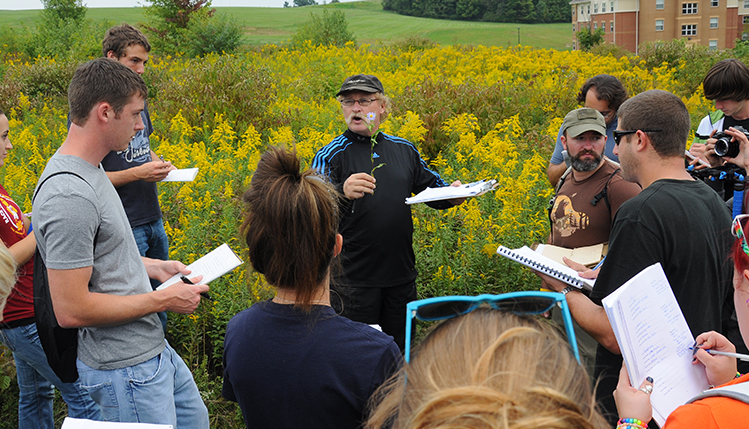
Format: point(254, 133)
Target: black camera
point(724, 146)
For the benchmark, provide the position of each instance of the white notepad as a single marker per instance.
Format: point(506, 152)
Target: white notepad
point(181, 175)
point(71, 423)
point(536, 261)
point(213, 265)
point(451, 192)
point(654, 339)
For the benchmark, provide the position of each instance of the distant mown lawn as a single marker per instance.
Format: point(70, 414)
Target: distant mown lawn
point(369, 23)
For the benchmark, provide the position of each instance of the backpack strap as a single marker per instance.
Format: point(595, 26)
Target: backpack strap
point(60, 344)
point(604, 192)
point(556, 191)
point(51, 176)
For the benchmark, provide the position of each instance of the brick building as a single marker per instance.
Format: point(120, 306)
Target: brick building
point(628, 23)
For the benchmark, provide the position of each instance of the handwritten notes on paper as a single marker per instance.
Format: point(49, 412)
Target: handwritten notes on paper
point(654, 339)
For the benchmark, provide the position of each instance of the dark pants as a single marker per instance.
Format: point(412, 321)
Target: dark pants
point(384, 306)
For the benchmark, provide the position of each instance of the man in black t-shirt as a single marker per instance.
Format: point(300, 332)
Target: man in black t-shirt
point(675, 221)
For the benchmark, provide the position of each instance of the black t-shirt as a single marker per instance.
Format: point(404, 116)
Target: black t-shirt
point(729, 121)
point(685, 226)
point(289, 369)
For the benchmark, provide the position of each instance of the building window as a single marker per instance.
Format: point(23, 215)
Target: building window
point(595, 26)
point(713, 45)
point(689, 30)
point(612, 26)
point(595, 7)
point(612, 6)
point(746, 19)
point(688, 8)
point(659, 4)
point(589, 7)
point(603, 7)
point(603, 26)
point(714, 3)
point(714, 22)
point(658, 25)
point(746, 4)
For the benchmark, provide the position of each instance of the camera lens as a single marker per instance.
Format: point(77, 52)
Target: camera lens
point(724, 147)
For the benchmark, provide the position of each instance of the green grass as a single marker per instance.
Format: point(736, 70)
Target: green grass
point(369, 23)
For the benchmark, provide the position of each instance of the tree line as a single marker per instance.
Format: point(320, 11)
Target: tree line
point(521, 11)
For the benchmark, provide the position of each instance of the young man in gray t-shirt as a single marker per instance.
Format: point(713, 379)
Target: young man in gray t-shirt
point(98, 281)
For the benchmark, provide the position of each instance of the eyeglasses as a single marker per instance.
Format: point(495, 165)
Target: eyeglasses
point(362, 101)
point(519, 303)
point(619, 134)
point(738, 231)
point(608, 114)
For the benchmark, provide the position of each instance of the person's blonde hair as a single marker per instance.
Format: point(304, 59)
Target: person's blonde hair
point(488, 369)
point(7, 276)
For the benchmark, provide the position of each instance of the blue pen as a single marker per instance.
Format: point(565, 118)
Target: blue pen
point(738, 356)
point(598, 265)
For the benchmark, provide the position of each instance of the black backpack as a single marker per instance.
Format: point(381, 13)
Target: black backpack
point(59, 344)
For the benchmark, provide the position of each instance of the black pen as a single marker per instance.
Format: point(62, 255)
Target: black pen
point(203, 294)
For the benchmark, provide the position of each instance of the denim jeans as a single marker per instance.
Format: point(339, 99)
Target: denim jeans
point(160, 390)
point(153, 243)
point(36, 380)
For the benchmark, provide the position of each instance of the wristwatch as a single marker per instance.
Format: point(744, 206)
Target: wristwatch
point(567, 290)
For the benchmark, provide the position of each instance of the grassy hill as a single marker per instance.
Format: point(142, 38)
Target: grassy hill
point(369, 23)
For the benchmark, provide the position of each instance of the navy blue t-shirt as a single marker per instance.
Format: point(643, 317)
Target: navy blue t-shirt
point(290, 369)
point(140, 198)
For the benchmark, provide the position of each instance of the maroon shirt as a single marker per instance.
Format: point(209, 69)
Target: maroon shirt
point(21, 300)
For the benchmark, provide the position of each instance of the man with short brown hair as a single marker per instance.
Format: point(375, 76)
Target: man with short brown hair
point(98, 282)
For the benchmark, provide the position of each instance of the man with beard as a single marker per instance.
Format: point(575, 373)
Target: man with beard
point(604, 93)
point(587, 198)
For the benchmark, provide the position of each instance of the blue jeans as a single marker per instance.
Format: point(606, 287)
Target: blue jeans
point(160, 390)
point(36, 380)
point(153, 243)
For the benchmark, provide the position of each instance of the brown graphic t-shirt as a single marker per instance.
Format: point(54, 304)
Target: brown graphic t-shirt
point(575, 221)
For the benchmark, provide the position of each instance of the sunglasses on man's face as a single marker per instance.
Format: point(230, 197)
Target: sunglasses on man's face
point(618, 134)
point(519, 303)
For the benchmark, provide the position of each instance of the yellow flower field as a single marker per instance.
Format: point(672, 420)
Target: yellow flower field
point(476, 113)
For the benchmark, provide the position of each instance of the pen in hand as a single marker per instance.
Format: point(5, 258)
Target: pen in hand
point(203, 294)
point(738, 356)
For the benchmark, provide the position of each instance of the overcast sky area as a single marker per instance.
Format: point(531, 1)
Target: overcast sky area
point(37, 4)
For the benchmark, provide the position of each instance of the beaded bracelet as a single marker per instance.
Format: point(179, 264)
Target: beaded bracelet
point(631, 423)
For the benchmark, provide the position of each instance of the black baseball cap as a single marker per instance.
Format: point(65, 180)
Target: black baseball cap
point(362, 82)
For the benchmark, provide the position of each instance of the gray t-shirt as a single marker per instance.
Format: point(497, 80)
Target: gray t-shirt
point(68, 212)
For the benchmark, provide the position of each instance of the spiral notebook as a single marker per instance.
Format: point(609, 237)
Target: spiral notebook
point(538, 262)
